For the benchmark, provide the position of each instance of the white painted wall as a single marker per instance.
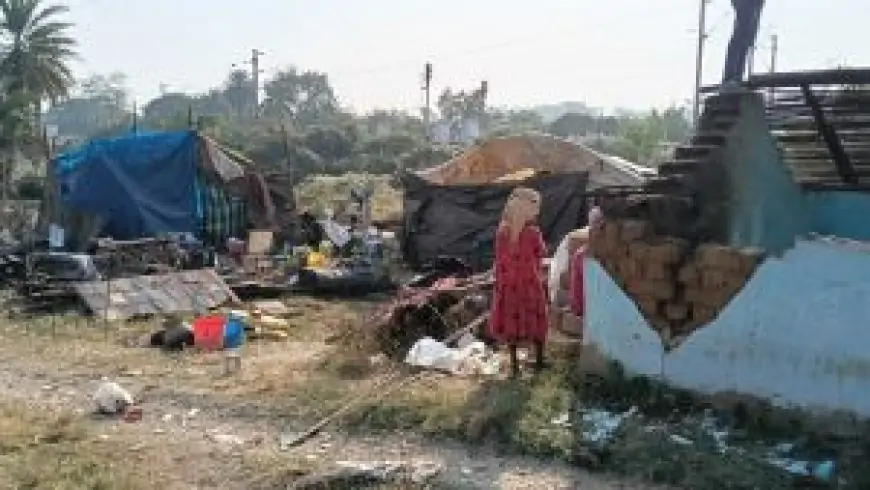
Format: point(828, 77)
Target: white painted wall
point(798, 334)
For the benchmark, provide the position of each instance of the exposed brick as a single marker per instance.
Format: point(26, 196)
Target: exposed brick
point(658, 272)
point(634, 230)
point(620, 252)
point(661, 290)
point(719, 257)
point(668, 252)
point(610, 235)
point(709, 298)
point(638, 250)
point(659, 323)
point(749, 259)
point(689, 275)
point(714, 278)
point(649, 307)
point(630, 268)
point(676, 311)
point(703, 315)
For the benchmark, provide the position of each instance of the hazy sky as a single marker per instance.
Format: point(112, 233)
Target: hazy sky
point(629, 53)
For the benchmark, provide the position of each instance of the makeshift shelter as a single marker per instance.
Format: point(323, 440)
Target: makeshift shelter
point(523, 156)
point(452, 209)
point(461, 220)
point(149, 183)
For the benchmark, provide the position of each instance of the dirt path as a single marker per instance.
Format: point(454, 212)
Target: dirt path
point(198, 437)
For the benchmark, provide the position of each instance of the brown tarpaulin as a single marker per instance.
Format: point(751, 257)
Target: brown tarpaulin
point(460, 220)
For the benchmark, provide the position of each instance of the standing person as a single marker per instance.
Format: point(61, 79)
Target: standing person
point(578, 253)
point(519, 309)
point(747, 15)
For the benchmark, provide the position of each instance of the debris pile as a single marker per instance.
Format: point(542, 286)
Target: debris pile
point(435, 310)
point(144, 256)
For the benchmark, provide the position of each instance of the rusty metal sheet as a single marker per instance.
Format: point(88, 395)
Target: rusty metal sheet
point(177, 292)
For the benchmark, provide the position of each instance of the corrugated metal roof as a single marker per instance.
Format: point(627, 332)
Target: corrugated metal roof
point(177, 292)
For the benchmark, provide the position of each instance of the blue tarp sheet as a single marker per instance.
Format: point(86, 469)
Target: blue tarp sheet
point(141, 184)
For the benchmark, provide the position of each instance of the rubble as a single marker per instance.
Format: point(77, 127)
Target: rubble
point(435, 311)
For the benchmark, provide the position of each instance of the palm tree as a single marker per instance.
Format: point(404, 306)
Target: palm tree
point(35, 49)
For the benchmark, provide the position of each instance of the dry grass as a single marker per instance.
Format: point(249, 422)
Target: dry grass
point(306, 378)
point(41, 450)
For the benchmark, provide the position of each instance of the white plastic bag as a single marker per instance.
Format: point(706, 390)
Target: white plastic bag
point(111, 398)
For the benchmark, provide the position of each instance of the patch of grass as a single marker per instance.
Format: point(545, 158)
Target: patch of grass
point(514, 414)
point(42, 451)
point(519, 417)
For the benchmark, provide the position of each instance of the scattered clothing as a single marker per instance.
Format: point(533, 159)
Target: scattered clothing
point(519, 312)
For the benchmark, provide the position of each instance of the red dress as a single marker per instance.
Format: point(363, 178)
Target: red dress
point(519, 306)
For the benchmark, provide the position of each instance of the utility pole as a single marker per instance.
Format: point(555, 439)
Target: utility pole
point(699, 61)
point(750, 61)
point(774, 48)
point(255, 78)
point(427, 85)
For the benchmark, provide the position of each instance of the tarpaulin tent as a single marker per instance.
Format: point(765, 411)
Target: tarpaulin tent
point(461, 220)
point(140, 185)
point(148, 183)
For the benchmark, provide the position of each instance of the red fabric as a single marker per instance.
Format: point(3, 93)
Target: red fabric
point(519, 307)
point(578, 300)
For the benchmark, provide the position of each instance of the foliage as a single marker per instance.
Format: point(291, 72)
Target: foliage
point(98, 107)
point(36, 48)
point(299, 124)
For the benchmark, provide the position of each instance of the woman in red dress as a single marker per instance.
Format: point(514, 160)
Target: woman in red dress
point(519, 308)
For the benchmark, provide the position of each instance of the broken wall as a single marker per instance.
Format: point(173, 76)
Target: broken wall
point(685, 294)
point(795, 334)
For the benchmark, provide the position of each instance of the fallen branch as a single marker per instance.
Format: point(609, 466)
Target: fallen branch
point(403, 379)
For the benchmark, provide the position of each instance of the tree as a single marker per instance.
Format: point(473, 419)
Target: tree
point(239, 93)
point(15, 126)
point(573, 124)
point(457, 107)
point(169, 111)
point(99, 107)
point(305, 98)
point(36, 49)
point(504, 123)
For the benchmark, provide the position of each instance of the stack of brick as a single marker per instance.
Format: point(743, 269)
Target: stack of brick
point(676, 287)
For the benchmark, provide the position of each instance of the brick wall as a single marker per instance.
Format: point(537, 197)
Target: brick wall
point(677, 286)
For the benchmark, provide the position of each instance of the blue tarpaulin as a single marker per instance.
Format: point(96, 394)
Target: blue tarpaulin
point(141, 184)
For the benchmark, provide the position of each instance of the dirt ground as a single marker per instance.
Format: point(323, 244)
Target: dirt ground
point(203, 429)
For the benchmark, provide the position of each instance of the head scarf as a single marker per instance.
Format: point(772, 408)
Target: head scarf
point(596, 217)
point(521, 208)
